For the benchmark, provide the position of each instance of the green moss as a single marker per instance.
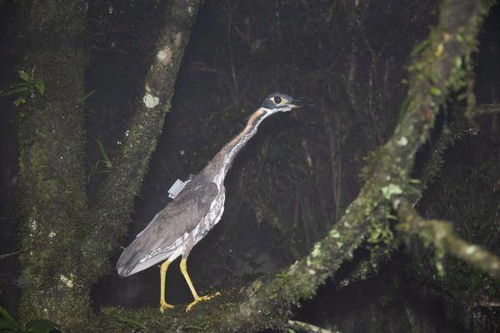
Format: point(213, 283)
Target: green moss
point(52, 176)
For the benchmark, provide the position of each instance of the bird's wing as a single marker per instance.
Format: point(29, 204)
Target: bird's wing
point(158, 240)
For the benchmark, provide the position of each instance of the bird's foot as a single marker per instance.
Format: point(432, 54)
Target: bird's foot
point(165, 306)
point(200, 299)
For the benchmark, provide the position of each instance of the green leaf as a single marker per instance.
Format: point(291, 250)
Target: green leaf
point(391, 190)
point(19, 101)
point(41, 326)
point(8, 326)
point(14, 91)
point(131, 322)
point(40, 86)
point(403, 108)
point(5, 314)
point(84, 98)
point(7, 323)
point(19, 84)
point(24, 76)
point(435, 91)
point(104, 154)
point(420, 47)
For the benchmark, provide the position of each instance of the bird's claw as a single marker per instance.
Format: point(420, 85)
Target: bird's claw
point(165, 306)
point(200, 299)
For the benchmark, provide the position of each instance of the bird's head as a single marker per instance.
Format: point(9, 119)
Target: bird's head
point(279, 103)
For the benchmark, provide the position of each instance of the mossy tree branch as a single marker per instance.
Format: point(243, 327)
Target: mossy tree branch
point(108, 219)
point(436, 71)
point(432, 167)
point(441, 234)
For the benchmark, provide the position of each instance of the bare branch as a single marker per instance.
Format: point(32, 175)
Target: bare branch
point(15, 253)
point(309, 328)
point(486, 109)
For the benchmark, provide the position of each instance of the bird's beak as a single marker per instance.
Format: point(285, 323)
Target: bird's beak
point(295, 104)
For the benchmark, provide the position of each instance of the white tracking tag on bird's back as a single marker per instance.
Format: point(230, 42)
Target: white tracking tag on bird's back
point(176, 188)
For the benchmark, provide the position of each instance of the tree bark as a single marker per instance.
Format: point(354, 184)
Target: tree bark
point(51, 164)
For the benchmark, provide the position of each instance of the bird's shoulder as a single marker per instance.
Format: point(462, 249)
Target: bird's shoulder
point(198, 190)
point(186, 210)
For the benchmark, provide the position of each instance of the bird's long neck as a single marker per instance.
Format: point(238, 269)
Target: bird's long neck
point(227, 154)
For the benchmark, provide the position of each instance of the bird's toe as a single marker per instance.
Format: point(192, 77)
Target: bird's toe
point(200, 299)
point(165, 306)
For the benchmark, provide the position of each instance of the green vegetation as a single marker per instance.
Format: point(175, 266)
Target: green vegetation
point(10, 325)
point(28, 89)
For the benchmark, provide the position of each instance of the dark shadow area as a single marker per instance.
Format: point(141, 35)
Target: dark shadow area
point(9, 55)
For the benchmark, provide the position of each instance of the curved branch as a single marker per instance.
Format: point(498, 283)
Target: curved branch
point(441, 234)
point(430, 171)
point(435, 74)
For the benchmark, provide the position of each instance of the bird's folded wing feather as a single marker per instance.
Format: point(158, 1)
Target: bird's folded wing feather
point(184, 213)
point(180, 216)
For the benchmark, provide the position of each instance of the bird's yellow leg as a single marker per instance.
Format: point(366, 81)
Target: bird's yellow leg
point(163, 272)
point(196, 297)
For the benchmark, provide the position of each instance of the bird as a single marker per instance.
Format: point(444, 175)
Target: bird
point(194, 211)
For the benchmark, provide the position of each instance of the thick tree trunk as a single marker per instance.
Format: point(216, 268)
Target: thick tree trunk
point(51, 164)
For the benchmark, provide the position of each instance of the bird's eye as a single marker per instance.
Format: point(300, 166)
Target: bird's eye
point(277, 99)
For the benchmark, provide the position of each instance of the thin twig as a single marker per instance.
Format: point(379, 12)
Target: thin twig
point(15, 253)
point(490, 305)
point(485, 109)
point(305, 327)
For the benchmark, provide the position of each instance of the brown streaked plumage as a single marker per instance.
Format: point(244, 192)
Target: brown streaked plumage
point(178, 227)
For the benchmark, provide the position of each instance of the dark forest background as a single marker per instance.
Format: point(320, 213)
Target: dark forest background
point(347, 59)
